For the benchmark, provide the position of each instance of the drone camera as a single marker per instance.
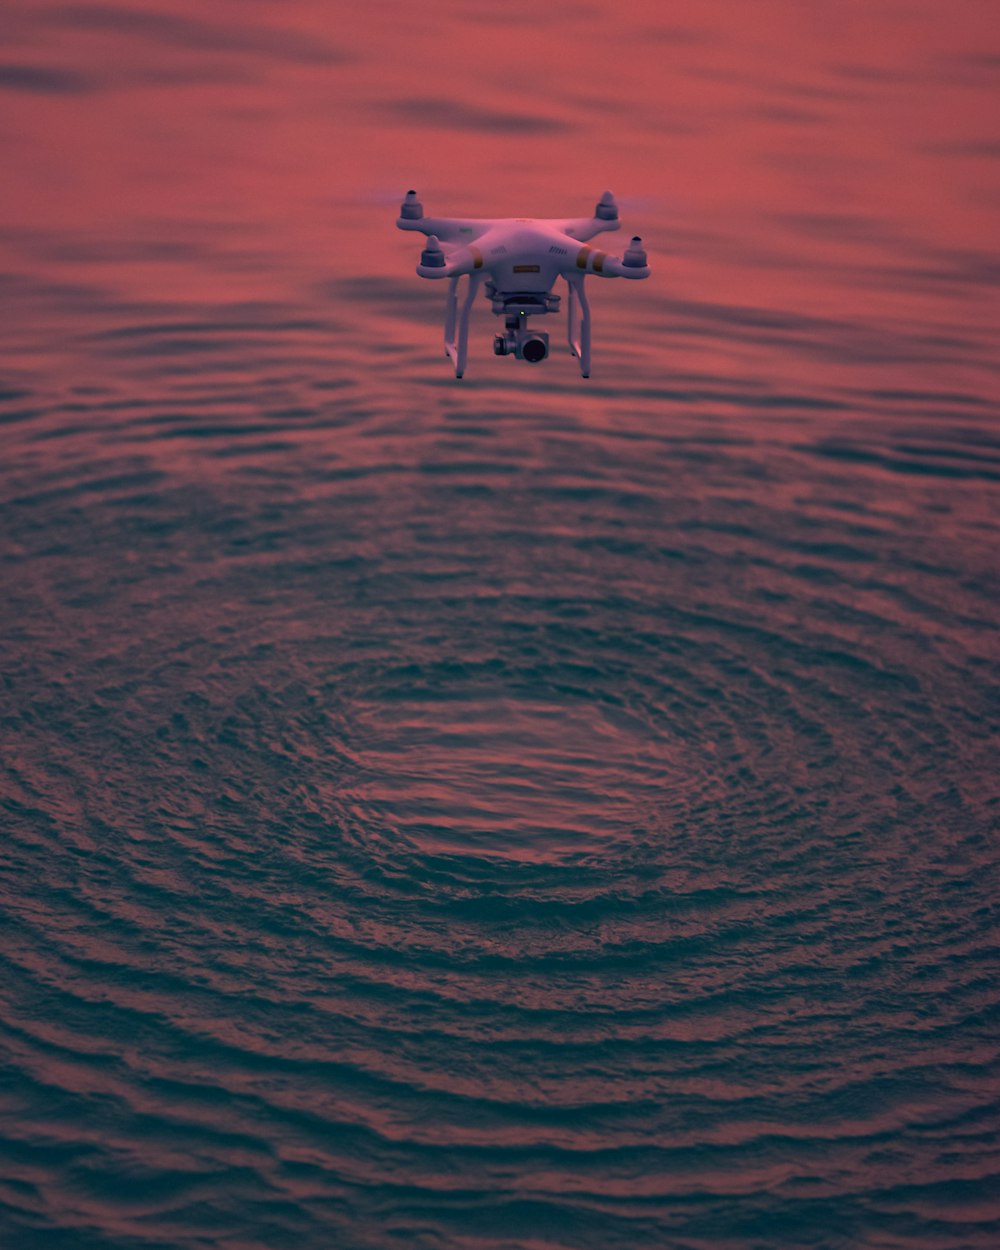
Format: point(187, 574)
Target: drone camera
point(535, 348)
point(522, 344)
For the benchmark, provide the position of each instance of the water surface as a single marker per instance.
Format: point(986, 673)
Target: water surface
point(522, 812)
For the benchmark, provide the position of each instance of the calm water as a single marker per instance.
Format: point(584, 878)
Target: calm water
point(519, 813)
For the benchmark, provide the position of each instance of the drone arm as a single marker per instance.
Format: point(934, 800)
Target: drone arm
point(447, 229)
point(615, 268)
point(436, 263)
point(605, 218)
point(583, 228)
point(589, 260)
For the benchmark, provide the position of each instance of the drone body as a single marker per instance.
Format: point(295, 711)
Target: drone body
point(519, 259)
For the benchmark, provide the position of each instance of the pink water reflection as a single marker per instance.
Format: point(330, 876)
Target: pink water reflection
point(830, 162)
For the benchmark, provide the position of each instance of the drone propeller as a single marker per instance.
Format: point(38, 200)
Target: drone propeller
point(383, 196)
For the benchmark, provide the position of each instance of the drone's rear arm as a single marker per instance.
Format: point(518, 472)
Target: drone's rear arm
point(447, 229)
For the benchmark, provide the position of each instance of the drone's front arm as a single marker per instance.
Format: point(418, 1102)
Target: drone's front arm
point(589, 260)
point(435, 262)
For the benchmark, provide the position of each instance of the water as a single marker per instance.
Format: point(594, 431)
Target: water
point(522, 812)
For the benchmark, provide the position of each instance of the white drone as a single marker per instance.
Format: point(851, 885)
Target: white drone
point(522, 258)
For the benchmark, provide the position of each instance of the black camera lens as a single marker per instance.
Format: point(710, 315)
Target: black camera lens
point(534, 350)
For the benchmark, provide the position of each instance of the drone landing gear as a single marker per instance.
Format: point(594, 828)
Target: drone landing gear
point(578, 329)
point(518, 340)
point(457, 346)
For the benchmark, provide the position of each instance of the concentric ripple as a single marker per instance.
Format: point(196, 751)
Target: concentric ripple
point(594, 854)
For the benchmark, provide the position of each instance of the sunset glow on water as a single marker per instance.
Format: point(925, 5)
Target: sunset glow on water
point(523, 812)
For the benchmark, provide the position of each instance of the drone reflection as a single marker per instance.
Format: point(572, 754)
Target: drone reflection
point(523, 813)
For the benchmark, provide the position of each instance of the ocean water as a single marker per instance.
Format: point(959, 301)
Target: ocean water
point(524, 812)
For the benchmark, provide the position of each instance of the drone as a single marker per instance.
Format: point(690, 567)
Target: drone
point(519, 259)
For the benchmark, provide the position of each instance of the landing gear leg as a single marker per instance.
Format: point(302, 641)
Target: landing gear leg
point(458, 347)
point(578, 331)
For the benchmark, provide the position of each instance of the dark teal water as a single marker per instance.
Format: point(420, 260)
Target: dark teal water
point(522, 813)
